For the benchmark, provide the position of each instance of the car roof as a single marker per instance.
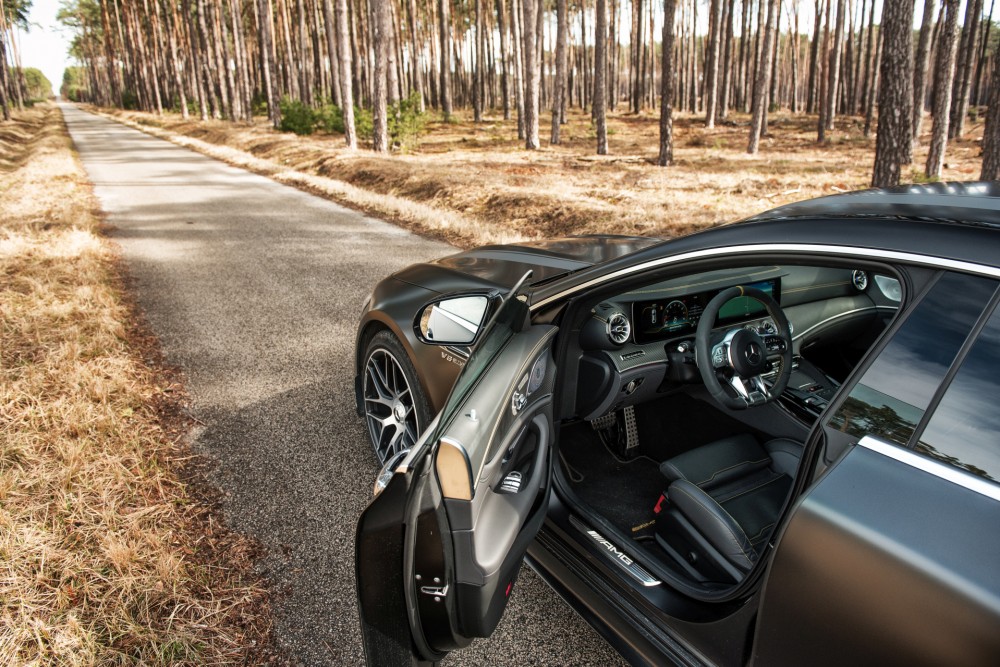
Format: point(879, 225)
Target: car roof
point(950, 221)
point(976, 203)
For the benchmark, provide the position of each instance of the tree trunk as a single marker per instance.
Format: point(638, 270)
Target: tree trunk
point(235, 108)
point(795, 58)
point(505, 59)
point(329, 30)
point(920, 66)
point(444, 30)
point(266, 41)
point(712, 61)
point(847, 77)
point(991, 133)
point(963, 74)
point(945, 74)
point(761, 83)
point(613, 55)
point(666, 155)
point(867, 84)
point(600, 75)
point(814, 58)
point(894, 96)
point(477, 74)
point(693, 77)
point(346, 82)
point(870, 95)
point(519, 69)
point(531, 72)
point(833, 74)
point(4, 71)
point(559, 86)
point(380, 86)
point(635, 46)
point(981, 61)
point(744, 74)
point(859, 59)
point(727, 60)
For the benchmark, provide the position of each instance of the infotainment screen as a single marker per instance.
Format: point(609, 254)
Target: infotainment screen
point(670, 317)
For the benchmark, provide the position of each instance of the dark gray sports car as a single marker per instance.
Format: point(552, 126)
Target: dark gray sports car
point(773, 442)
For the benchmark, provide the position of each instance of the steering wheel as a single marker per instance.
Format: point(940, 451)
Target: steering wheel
point(732, 368)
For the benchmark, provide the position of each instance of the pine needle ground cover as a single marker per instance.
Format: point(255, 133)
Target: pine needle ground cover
point(109, 554)
point(473, 183)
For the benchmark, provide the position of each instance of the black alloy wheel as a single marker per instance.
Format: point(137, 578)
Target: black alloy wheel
point(395, 407)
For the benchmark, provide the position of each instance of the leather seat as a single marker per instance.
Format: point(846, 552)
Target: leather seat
point(724, 500)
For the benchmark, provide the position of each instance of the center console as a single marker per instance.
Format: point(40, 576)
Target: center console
point(809, 390)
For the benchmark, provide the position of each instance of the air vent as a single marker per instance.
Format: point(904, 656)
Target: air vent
point(860, 280)
point(619, 329)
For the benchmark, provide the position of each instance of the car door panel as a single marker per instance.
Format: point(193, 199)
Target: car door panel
point(883, 562)
point(464, 532)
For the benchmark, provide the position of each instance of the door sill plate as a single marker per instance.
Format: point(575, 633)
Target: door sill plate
point(616, 555)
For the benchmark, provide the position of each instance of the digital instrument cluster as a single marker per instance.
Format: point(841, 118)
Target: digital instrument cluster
point(665, 318)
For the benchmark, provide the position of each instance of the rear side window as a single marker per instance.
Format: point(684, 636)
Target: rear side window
point(964, 430)
point(892, 396)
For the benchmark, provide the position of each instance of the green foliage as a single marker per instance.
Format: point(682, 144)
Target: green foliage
point(406, 122)
point(17, 12)
point(74, 84)
point(331, 119)
point(39, 87)
point(258, 105)
point(364, 126)
point(130, 100)
point(297, 117)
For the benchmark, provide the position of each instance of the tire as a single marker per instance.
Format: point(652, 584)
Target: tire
point(395, 408)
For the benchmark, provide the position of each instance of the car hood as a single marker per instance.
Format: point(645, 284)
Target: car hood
point(501, 266)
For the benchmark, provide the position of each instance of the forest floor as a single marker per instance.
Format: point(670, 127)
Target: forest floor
point(472, 184)
point(111, 550)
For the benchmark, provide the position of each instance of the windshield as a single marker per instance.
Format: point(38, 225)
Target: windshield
point(505, 323)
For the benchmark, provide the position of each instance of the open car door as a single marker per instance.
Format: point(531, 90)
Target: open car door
point(439, 548)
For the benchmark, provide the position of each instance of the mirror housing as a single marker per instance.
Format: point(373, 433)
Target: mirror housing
point(452, 320)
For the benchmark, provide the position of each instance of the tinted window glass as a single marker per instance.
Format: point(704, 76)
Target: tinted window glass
point(965, 428)
point(894, 393)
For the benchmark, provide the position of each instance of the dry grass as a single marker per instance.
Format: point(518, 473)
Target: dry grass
point(106, 557)
point(474, 184)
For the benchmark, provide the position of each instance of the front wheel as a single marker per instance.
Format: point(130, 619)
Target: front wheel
point(396, 410)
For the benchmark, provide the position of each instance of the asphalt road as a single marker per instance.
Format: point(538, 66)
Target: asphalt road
point(254, 289)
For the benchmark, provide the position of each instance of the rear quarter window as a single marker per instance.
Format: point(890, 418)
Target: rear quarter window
point(890, 399)
point(964, 430)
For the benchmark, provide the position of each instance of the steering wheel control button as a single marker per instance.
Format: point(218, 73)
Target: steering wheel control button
point(775, 344)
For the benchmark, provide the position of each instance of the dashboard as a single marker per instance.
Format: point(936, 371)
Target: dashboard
point(672, 316)
point(641, 341)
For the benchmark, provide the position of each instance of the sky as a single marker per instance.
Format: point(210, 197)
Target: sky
point(45, 46)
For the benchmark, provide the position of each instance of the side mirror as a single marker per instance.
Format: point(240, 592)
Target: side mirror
point(452, 320)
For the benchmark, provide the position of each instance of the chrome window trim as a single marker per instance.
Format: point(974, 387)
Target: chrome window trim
point(936, 468)
point(842, 251)
point(838, 316)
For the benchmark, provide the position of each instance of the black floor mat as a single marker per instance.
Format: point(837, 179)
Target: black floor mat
point(678, 423)
point(623, 492)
